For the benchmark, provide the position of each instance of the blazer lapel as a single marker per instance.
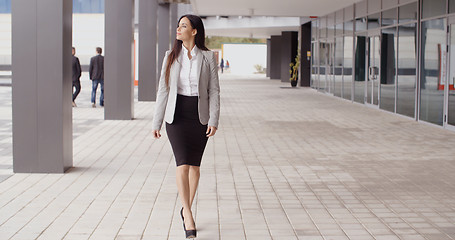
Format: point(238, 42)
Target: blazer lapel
point(199, 59)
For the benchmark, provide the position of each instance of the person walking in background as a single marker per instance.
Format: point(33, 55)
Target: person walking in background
point(96, 71)
point(222, 65)
point(76, 76)
point(188, 100)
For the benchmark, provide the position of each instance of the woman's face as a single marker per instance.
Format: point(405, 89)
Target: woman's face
point(184, 30)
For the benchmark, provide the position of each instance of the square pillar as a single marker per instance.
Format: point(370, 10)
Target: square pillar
point(163, 33)
point(275, 59)
point(42, 86)
point(119, 60)
point(148, 20)
point(305, 63)
point(289, 43)
point(174, 20)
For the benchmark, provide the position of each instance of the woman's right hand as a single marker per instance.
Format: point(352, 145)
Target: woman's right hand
point(156, 134)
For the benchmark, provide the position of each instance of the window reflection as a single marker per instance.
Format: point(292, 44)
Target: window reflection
point(388, 68)
point(338, 74)
point(349, 28)
point(359, 84)
point(330, 65)
point(314, 30)
point(433, 55)
point(433, 8)
point(451, 6)
point(347, 66)
point(389, 17)
point(323, 54)
point(360, 24)
point(330, 32)
point(373, 21)
point(408, 12)
point(323, 28)
point(339, 29)
point(406, 69)
point(314, 64)
point(451, 90)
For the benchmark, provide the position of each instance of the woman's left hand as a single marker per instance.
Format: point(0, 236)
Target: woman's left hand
point(210, 131)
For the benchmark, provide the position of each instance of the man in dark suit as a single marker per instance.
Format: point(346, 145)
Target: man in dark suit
point(76, 76)
point(96, 72)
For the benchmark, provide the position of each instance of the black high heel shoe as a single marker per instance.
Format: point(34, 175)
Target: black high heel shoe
point(183, 219)
point(188, 233)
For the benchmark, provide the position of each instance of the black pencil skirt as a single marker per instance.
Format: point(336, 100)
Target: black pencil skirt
point(186, 133)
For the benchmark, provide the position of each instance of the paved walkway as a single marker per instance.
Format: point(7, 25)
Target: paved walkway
point(285, 164)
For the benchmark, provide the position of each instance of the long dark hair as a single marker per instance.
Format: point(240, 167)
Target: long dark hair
point(199, 40)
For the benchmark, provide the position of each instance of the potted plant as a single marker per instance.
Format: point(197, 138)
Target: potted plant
point(294, 71)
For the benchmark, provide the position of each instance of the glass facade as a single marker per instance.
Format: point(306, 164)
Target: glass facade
point(388, 68)
point(79, 6)
point(433, 37)
point(451, 6)
point(415, 71)
point(323, 73)
point(407, 72)
point(88, 6)
point(450, 88)
point(360, 68)
point(347, 66)
point(433, 8)
point(330, 58)
point(5, 6)
point(408, 13)
point(389, 17)
point(348, 58)
point(338, 73)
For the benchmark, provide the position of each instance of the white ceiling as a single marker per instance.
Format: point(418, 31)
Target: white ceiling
point(250, 32)
point(288, 8)
point(251, 27)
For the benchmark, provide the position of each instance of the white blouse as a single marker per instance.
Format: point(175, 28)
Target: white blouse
point(188, 82)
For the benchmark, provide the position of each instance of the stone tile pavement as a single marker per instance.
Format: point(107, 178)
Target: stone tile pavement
point(285, 164)
point(84, 119)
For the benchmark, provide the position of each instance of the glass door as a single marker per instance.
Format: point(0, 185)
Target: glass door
point(374, 62)
point(433, 70)
point(361, 67)
point(449, 90)
point(331, 65)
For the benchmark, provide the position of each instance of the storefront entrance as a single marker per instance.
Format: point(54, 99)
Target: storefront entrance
point(373, 66)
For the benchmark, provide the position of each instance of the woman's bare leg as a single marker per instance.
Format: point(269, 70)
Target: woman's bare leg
point(183, 185)
point(194, 175)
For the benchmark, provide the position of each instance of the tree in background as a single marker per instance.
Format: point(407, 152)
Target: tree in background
point(215, 42)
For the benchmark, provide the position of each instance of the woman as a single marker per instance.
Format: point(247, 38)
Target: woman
point(189, 101)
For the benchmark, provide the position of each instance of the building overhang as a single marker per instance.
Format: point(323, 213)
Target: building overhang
point(282, 8)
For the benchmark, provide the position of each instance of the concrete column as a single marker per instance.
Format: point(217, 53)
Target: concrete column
point(289, 42)
point(305, 63)
point(41, 86)
point(275, 59)
point(163, 33)
point(174, 21)
point(147, 50)
point(118, 62)
point(269, 57)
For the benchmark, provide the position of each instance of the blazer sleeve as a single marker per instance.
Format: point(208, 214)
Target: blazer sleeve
point(79, 71)
point(214, 93)
point(161, 98)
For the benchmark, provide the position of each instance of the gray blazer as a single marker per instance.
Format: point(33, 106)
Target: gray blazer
point(209, 91)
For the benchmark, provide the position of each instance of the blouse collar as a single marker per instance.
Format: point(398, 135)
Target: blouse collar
point(193, 52)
